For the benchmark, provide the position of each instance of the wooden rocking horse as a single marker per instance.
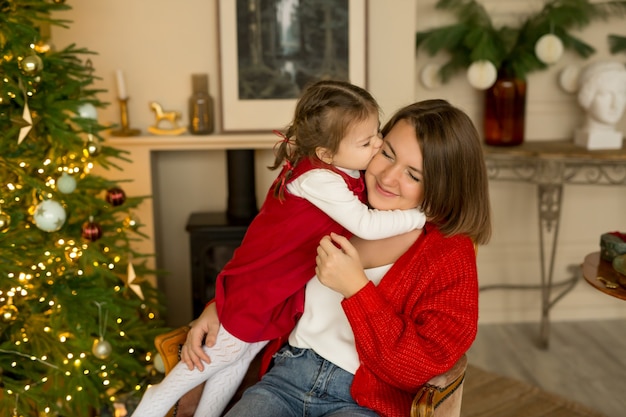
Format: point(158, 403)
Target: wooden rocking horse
point(170, 117)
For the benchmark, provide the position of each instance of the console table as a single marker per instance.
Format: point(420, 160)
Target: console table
point(551, 165)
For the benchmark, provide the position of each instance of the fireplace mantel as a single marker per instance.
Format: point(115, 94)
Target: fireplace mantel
point(139, 170)
point(194, 142)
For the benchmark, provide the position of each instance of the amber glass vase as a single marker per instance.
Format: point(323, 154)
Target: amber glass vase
point(505, 111)
point(200, 106)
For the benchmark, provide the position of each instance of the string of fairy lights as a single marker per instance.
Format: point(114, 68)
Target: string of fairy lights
point(33, 196)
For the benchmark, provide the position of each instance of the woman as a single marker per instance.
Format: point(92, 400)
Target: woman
point(368, 340)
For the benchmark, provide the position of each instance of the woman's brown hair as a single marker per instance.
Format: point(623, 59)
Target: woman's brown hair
point(456, 189)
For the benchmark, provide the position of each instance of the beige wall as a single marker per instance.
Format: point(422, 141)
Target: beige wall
point(159, 44)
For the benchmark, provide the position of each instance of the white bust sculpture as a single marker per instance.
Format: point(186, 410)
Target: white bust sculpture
point(602, 95)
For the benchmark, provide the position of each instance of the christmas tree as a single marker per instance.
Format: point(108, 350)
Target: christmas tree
point(77, 315)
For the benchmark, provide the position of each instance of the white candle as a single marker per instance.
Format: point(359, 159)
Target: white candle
point(121, 85)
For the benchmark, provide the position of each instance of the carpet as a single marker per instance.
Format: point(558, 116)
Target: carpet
point(486, 394)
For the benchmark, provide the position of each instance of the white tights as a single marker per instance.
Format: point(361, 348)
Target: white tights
point(230, 359)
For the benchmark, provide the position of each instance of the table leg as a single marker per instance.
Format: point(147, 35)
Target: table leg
point(549, 202)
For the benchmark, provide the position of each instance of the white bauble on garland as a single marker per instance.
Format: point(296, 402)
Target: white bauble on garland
point(482, 74)
point(49, 215)
point(429, 76)
point(568, 78)
point(549, 48)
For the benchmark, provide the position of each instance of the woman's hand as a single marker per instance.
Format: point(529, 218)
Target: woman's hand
point(339, 268)
point(203, 332)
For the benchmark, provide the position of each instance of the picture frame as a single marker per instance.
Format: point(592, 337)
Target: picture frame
point(261, 77)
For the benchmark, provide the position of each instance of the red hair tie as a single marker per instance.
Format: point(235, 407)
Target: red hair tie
point(280, 134)
point(283, 176)
point(287, 167)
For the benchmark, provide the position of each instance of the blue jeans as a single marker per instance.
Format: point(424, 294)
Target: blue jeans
point(300, 384)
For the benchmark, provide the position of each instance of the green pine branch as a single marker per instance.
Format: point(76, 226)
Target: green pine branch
point(617, 43)
point(510, 49)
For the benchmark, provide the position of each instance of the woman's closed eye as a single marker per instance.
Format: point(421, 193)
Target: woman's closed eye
point(386, 154)
point(414, 177)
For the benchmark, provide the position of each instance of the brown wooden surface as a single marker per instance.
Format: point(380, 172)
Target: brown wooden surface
point(594, 267)
point(556, 149)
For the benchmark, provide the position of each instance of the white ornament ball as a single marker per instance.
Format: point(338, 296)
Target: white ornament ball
point(568, 79)
point(66, 184)
point(549, 48)
point(158, 363)
point(101, 349)
point(88, 111)
point(49, 215)
point(429, 76)
point(482, 74)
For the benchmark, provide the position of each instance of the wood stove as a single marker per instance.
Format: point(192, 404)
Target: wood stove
point(214, 236)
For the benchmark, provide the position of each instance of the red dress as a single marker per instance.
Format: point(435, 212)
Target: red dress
point(259, 293)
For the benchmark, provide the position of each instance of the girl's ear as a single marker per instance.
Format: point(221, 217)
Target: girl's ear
point(324, 154)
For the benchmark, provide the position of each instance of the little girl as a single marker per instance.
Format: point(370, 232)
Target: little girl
point(260, 292)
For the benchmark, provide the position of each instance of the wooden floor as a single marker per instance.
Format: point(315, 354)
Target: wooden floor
point(585, 361)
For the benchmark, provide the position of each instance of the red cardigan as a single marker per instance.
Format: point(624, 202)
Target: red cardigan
point(416, 324)
point(419, 320)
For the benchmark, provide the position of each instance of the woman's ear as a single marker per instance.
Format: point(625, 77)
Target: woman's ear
point(324, 154)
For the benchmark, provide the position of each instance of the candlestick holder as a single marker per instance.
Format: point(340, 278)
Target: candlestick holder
point(125, 129)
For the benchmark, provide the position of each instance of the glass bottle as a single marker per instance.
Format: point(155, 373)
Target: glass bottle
point(200, 106)
point(505, 111)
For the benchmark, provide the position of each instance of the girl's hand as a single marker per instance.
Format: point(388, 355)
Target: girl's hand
point(203, 332)
point(339, 268)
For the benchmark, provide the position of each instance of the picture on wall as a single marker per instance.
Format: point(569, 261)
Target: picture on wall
point(271, 49)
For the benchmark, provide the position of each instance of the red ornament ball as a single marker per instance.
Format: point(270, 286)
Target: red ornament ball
point(116, 196)
point(91, 231)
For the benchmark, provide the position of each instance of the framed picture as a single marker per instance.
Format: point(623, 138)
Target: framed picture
point(271, 49)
